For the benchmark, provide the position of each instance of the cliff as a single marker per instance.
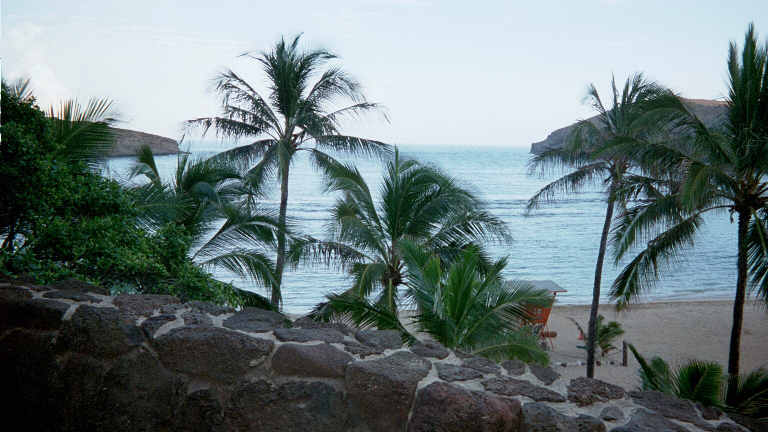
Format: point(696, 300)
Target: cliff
point(73, 358)
point(127, 143)
point(711, 112)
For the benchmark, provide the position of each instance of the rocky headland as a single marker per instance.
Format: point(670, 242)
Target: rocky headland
point(128, 142)
point(711, 112)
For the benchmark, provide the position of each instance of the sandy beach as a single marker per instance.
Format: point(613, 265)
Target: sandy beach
point(676, 331)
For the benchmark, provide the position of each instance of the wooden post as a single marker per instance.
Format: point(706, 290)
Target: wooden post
point(624, 353)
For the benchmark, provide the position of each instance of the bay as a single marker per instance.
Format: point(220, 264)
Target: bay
point(557, 242)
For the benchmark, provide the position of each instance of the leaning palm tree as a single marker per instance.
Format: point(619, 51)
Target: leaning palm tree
point(584, 151)
point(418, 203)
point(205, 199)
point(710, 171)
point(299, 114)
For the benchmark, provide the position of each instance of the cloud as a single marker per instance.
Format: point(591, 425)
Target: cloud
point(26, 55)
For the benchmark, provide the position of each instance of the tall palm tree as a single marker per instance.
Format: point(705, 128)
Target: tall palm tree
point(418, 203)
point(713, 170)
point(585, 151)
point(206, 199)
point(300, 113)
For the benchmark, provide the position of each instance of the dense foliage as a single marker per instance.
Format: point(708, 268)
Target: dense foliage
point(704, 382)
point(60, 218)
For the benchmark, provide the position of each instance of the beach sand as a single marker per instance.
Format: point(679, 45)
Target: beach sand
point(675, 331)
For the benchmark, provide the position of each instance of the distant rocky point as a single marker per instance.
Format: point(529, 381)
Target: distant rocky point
point(711, 112)
point(128, 142)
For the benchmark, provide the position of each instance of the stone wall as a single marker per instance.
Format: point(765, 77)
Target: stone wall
point(75, 359)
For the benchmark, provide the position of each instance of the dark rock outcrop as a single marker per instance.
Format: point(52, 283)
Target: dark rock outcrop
point(321, 360)
point(711, 112)
point(128, 142)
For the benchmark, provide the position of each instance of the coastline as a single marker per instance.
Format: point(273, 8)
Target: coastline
point(676, 331)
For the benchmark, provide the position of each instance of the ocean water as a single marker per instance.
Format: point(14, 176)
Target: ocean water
point(557, 242)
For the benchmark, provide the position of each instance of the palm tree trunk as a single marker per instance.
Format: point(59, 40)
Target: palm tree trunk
point(738, 304)
point(592, 330)
point(280, 262)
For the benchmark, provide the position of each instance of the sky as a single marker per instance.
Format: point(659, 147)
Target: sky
point(476, 73)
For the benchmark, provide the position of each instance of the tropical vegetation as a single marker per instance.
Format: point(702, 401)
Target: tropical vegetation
point(625, 120)
point(704, 382)
point(307, 101)
point(606, 334)
point(705, 170)
point(418, 203)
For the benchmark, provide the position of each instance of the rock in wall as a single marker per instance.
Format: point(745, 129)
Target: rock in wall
point(75, 359)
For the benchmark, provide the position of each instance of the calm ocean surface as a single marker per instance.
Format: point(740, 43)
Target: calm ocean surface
point(557, 242)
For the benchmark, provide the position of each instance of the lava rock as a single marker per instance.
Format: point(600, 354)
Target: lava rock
point(291, 407)
point(143, 304)
point(430, 349)
point(152, 324)
point(201, 411)
point(383, 339)
point(308, 323)
point(709, 412)
point(586, 391)
point(612, 413)
point(195, 318)
point(667, 405)
point(448, 408)
point(139, 394)
point(255, 320)
point(306, 335)
point(71, 295)
point(361, 350)
point(217, 354)
point(539, 417)
point(449, 372)
point(100, 332)
point(514, 367)
point(545, 374)
point(27, 363)
point(646, 421)
point(482, 364)
point(514, 387)
point(18, 311)
point(209, 308)
point(321, 360)
point(78, 285)
point(381, 391)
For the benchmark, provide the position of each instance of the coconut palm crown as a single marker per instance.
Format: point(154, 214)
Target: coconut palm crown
point(418, 203)
point(302, 111)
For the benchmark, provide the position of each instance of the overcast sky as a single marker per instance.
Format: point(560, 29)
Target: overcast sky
point(502, 73)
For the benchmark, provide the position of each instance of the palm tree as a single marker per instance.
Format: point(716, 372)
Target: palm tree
point(710, 171)
point(299, 114)
point(695, 380)
point(418, 203)
point(472, 308)
point(205, 198)
point(585, 151)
